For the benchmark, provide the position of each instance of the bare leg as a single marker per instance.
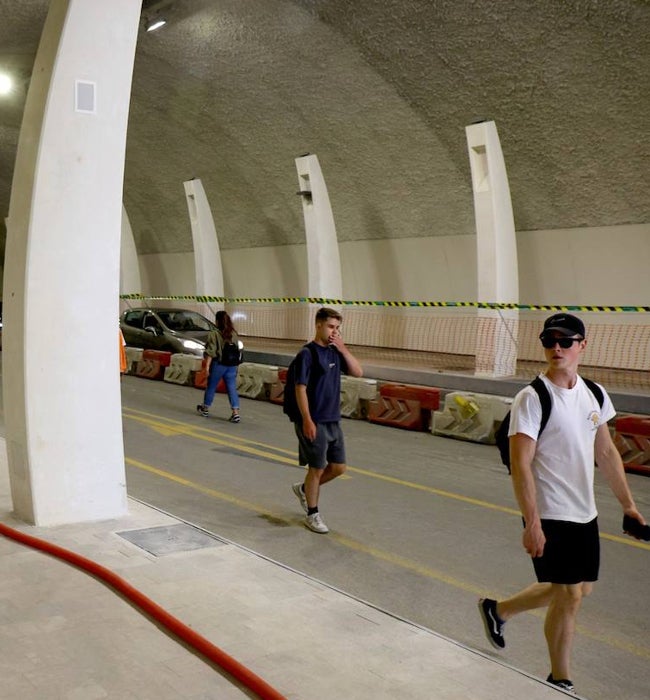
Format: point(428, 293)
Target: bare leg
point(559, 627)
point(331, 471)
point(316, 477)
point(537, 595)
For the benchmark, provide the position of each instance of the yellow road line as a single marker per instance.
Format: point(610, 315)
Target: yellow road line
point(190, 431)
point(195, 429)
point(240, 503)
point(436, 492)
point(347, 542)
point(250, 447)
point(374, 552)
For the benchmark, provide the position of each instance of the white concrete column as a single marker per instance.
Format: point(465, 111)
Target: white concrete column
point(208, 269)
point(130, 280)
point(323, 260)
point(60, 355)
point(498, 276)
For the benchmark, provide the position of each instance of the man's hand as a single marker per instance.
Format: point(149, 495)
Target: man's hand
point(634, 524)
point(354, 367)
point(309, 429)
point(336, 339)
point(534, 539)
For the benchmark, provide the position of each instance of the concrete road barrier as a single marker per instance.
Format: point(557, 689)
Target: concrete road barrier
point(632, 438)
point(473, 417)
point(254, 381)
point(133, 356)
point(407, 406)
point(153, 363)
point(276, 394)
point(182, 369)
point(356, 395)
point(397, 413)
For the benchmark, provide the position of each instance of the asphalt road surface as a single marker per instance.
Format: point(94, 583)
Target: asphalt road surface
point(421, 526)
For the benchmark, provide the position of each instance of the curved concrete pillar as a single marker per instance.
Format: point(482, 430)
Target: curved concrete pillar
point(208, 270)
point(323, 260)
point(60, 354)
point(130, 280)
point(207, 256)
point(496, 248)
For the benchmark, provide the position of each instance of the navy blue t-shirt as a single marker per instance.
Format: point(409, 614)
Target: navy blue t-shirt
point(325, 399)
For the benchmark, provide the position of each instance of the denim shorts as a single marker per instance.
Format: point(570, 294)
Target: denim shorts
point(327, 448)
point(571, 553)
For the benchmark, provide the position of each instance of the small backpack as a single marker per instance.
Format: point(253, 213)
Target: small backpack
point(501, 434)
point(231, 355)
point(290, 405)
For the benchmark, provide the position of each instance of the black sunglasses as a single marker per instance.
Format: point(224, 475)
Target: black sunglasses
point(548, 341)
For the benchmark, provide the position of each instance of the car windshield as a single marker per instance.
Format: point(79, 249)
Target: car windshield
point(185, 321)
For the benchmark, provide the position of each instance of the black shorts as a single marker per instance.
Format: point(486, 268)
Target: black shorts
point(571, 553)
point(327, 448)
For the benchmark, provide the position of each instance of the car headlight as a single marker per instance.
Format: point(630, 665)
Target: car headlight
point(193, 345)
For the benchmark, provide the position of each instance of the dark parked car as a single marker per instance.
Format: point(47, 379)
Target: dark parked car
point(176, 330)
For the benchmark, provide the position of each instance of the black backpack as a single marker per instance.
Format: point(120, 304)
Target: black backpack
point(231, 355)
point(501, 434)
point(290, 405)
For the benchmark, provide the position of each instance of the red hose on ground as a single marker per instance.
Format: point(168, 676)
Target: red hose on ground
point(173, 624)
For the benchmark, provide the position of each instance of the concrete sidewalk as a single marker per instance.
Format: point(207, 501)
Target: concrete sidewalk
point(66, 635)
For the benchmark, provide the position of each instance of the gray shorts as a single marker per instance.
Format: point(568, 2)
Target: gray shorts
point(327, 448)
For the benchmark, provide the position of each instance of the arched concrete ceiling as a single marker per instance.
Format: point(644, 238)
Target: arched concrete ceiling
point(231, 91)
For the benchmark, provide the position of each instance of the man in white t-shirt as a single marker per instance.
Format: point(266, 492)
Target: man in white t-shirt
point(553, 479)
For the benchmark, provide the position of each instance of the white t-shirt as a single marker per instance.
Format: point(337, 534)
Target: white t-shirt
point(563, 466)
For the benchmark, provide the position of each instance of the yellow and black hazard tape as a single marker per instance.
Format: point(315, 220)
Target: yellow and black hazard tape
point(407, 304)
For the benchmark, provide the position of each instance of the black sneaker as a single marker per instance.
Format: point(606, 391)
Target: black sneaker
point(563, 683)
point(203, 410)
point(234, 418)
point(493, 623)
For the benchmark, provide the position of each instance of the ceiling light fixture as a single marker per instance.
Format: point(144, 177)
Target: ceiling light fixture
point(6, 84)
point(154, 24)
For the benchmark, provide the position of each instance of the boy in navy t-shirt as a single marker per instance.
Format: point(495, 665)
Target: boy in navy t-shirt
point(318, 395)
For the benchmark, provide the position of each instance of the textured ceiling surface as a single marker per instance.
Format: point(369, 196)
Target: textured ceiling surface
point(232, 91)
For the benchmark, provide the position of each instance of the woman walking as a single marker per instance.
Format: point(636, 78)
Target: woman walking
point(223, 356)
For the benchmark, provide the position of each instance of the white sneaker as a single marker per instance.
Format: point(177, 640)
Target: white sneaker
point(315, 524)
point(300, 495)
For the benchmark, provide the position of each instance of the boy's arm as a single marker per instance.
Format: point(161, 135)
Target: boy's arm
point(522, 451)
point(354, 366)
point(308, 425)
point(610, 464)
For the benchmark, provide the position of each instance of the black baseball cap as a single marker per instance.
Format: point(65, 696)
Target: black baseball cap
point(567, 324)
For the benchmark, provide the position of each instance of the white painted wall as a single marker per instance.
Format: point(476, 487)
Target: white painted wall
point(606, 266)
point(169, 273)
point(130, 279)
point(599, 266)
point(414, 269)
